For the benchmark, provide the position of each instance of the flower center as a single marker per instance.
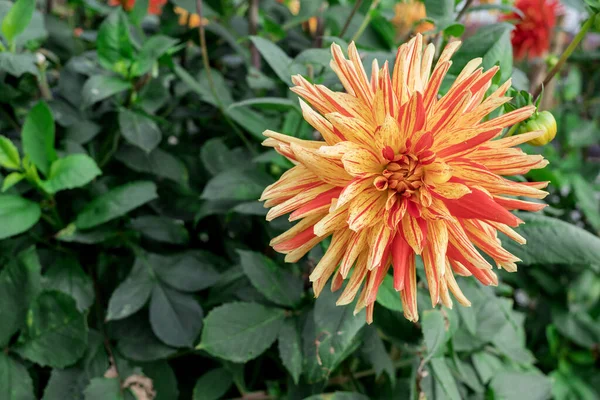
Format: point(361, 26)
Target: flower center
point(403, 174)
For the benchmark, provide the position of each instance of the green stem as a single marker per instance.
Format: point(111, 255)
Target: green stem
point(566, 54)
point(512, 130)
point(211, 83)
point(365, 22)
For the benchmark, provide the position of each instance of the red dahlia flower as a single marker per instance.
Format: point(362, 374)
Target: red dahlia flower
point(533, 32)
point(403, 173)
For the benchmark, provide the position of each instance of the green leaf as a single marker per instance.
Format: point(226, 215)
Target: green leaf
point(216, 156)
point(133, 293)
point(269, 103)
point(114, 47)
point(56, 332)
point(17, 215)
point(67, 276)
point(271, 280)
point(73, 171)
point(151, 51)
point(444, 377)
point(20, 283)
point(487, 365)
point(290, 349)
point(139, 130)
point(100, 87)
point(9, 155)
point(66, 384)
point(176, 318)
point(492, 43)
point(38, 137)
point(161, 229)
point(552, 241)
point(374, 351)
point(163, 378)
point(17, 19)
point(333, 337)
point(103, 389)
point(587, 200)
point(15, 382)
point(191, 271)
point(82, 131)
point(11, 180)
point(18, 64)
point(239, 332)
point(136, 341)
point(115, 203)
point(387, 296)
point(275, 57)
point(213, 385)
point(158, 162)
point(236, 184)
point(338, 396)
point(434, 332)
point(509, 385)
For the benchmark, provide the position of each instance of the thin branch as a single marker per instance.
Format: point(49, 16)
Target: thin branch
point(347, 24)
point(463, 11)
point(253, 28)
point(563, 58)
point(366, 21)
point(211, 83)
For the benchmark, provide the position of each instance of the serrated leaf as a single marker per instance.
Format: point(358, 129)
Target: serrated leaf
point(552, 241)
point(73, 171)
point(17, 215)
point(176, 318)
point(38, 137)
point(115, 203)
point(374, 351)
point(158, 162)
point(190, 271)
point(387, 296)
point(56, 333)
point(290, 349)
point(9, 155)
point(587, 200)
point(434, 332)
point(277, 59)
point(67, 276)
point(216, 156)
point(100, 87)
point(236, 184)
point(20, 283)
point(239, 332)
point(509, 385)
point(161, 229)
point(271, 280)
point(133, 293)
point(15, 382)
point(444, 377)
point(114, 47)
point(213, 385)
point(139, 130)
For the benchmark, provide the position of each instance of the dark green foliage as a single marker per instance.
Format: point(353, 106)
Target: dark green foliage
point(134, 248)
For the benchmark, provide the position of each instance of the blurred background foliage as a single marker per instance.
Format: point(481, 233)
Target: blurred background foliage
point(134, 254)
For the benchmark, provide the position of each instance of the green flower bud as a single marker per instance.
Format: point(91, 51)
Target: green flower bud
point(542, 121)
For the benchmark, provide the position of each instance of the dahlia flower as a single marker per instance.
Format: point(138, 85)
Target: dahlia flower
point(406, 15)
point(533, 32)
point(154, 6)
point(403, 173)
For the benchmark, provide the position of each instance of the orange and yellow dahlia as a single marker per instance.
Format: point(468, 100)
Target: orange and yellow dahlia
point(154, 6)
point(403, 173)
point(407, 15)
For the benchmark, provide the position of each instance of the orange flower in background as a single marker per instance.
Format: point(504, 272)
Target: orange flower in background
point(190, 20)
point(154, 6)
point(533, 32)
point(406, 15)
point(402, 173)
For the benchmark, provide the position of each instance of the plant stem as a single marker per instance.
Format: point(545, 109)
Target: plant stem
point(463, 10)
point(253, 28)
point(211, 83)
point(347, 24)
point(365, 22)
point(566, 54)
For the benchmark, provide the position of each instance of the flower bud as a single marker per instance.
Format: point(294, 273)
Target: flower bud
point(542, 121)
